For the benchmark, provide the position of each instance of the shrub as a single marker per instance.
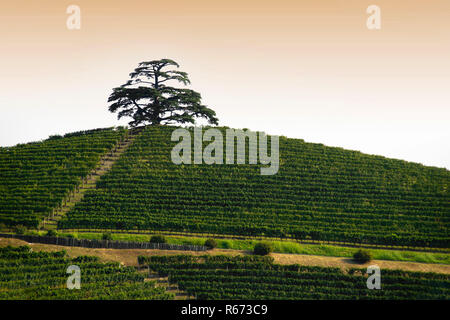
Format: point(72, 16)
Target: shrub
point(158, 239)
point(51, 233)
point(210, 243)
point(54, 137)
point(2, 226)
point(226, 244)
point(86, 259)
point(141, 260)
point(262, 248)
point(107, 236)
point(362, 256)
point(20, 229)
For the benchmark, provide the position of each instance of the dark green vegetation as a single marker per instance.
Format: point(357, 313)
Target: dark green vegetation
point(107, 236)
point(319, 193)
point(52, 233)
point(148, 97)
point(210, 243)
point(362, 256)
point(254, 277)
point(279, 246)
point(42, 275)
point(35, 177)
point(262, 248)
point(158, 239)
point(19, 229)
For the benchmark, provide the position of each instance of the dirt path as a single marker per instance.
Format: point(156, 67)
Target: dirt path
point(347, 263)
point(129, 257)
point(89, 182)
point(125, 256)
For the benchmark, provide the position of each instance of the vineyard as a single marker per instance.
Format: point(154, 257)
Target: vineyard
point(42, 275)
point(253, 277)
point(319, 193)
point(36, 177)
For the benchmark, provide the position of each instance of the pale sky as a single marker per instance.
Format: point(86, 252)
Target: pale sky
point(303, 69)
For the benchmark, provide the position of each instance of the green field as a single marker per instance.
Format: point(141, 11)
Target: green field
point(319, 193)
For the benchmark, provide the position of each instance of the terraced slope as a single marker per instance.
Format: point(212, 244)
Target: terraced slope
point(36, 177)
point(319, 193)
point(89, 182)
point(42, 275)
point(252, 277)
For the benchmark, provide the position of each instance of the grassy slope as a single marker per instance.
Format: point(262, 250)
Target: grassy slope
point(285, 247)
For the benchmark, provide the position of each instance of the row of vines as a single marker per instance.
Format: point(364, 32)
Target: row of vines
point(36, 177)
point(319, 193)
point(253, 277)
point(42, 275)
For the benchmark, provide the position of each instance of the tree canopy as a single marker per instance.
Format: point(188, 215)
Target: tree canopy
point(149, 99)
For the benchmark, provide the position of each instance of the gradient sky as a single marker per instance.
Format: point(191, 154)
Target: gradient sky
point(304, 69)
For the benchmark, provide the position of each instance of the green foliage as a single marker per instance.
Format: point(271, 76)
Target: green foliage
point(36, 177)
point(52, 233)
point(81, 259)
point(262, 248)
point(107, 236)
point(70, 235)
point(55, 137)
point(287, 246)
point(158, 239)
point(210, 243)
point(148, 99)
point(20, 229)
point(319, 193)
point(362, 256)
point(27, 275)
point(256, 277)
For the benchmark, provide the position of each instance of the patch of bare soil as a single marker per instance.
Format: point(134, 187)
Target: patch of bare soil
point(347, 263)
point(125, 256)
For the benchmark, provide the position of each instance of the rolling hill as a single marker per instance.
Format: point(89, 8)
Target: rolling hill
point(36, 177)
point(319, 193)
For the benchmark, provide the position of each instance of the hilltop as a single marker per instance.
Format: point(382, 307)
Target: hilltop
point(319, 193)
